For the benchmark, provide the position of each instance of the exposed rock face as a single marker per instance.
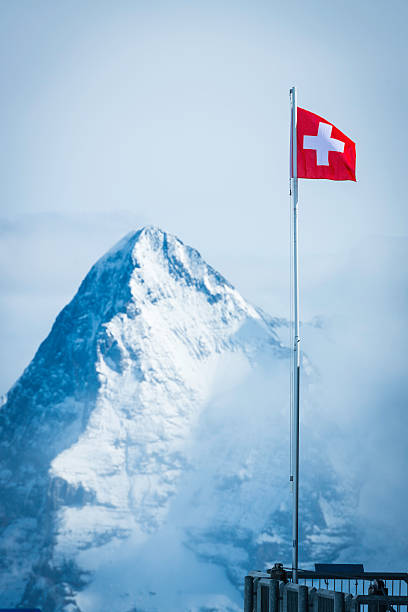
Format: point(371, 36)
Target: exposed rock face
point(144, 449)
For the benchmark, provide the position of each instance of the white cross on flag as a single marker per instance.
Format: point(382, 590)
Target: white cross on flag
point(323, 152)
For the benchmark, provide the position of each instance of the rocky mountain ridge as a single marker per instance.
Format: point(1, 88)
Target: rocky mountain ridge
point(150, 430)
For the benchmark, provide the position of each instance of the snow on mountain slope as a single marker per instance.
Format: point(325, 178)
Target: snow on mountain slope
point(144, 449)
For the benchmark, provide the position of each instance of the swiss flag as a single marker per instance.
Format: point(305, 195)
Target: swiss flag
point(323, 152)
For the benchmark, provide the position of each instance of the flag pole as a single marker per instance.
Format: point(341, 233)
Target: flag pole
point(296, 339)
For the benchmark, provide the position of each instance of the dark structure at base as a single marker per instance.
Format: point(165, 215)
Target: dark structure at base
point(330, 588)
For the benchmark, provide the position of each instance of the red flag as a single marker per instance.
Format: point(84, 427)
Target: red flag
point(323, 152)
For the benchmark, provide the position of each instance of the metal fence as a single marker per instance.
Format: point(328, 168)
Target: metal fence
point(320, 593)
point(395, 583)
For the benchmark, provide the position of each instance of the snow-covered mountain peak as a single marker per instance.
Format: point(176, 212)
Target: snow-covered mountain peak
point(144, 252)
point(137, 435)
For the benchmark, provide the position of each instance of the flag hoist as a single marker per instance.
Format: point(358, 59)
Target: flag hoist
point(318, 150)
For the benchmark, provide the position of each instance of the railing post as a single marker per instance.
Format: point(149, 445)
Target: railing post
point(312, 600)
point(249, 594)
point(274, 596)
point(259, 607)
point(339, 602)
point(284, 596)
point(302, 598)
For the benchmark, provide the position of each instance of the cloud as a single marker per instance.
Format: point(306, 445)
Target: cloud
point(363, 391)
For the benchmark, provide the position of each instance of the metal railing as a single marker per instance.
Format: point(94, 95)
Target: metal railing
point(317, 592)
point(356, 583)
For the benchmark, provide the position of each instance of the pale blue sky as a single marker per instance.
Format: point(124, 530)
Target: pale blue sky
point(117, 114)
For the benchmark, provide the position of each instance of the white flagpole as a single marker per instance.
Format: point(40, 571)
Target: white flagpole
point(296, 340)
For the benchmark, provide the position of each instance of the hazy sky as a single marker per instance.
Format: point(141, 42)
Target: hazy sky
point(119, 114)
